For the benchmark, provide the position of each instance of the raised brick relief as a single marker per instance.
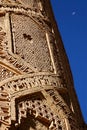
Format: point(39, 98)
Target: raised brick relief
point(30, 42)
point(35, 108)
point(24, 83)
point(5, 73)
point(5, 108)
point(2, 38)
point(27, 4)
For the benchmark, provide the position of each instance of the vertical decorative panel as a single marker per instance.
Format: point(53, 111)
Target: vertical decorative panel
point(30, 42)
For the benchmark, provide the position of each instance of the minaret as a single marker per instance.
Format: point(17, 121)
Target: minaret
point(36, 85)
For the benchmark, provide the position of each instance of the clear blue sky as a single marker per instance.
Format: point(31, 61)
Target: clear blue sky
point(71, 16)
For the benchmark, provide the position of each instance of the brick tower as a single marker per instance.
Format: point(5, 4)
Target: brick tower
point(36, 86)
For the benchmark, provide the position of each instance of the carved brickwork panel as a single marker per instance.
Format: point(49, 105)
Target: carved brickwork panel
point(20, 83)
point(60, 103)
point(35, 5)
point(5, 108)
point(2, 37)
point(30, 3)
point(37, 109)
point(5, 73)
point(30, 42)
